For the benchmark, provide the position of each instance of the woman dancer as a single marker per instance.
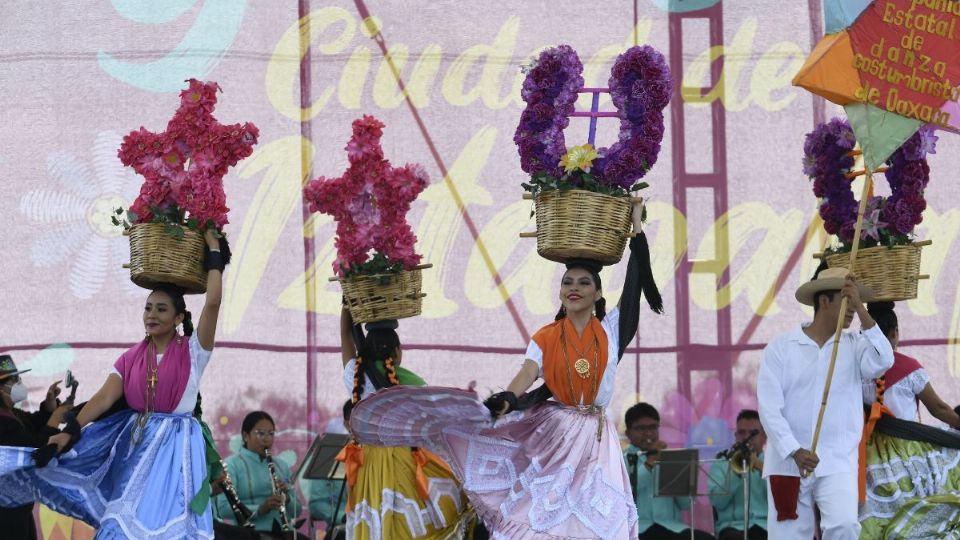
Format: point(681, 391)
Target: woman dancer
point(393, 492)
point(139, 473)
point(553, 468)
point(909, 475)
point(906, 384)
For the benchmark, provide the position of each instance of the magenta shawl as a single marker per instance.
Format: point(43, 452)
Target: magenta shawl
point(172, 374)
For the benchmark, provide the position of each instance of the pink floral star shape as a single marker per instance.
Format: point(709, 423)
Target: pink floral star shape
point(184, 166)
point(369, 202)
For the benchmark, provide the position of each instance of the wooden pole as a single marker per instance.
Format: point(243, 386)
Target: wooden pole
point(867, 181)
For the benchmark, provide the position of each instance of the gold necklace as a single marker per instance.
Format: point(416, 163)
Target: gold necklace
point(566, 361)
point(581, 365)
point(149, 394)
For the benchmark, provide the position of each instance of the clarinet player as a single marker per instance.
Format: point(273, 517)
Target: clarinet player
point(262, 482)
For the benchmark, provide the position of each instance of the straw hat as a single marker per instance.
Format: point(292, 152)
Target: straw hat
point(829, 279)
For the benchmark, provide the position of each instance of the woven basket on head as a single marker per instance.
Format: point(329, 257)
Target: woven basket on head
point(384, 296)
point(157, 257)
point(581, 224)
point(891, 273)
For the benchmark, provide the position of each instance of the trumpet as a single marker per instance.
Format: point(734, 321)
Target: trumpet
point(739, 454)
point(275, 477)
point(738, 457)
point(240, 510)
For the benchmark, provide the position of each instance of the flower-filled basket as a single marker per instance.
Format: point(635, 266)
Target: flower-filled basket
point(158, 257)
point(182, 193)
point(378, 270)
point(583, 196)
point(888, 257)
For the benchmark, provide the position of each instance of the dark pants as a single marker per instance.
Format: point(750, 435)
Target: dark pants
point(753, 533)
point(226, 531)
point(17, 523)
point(656, 532)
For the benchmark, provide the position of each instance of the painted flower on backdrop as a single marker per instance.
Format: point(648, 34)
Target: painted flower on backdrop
point(72, 218)
point(706, 420)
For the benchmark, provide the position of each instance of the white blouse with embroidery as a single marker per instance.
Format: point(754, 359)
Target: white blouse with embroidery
point(900, 398)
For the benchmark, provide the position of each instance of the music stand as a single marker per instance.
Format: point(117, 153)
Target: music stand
point(321, 463)
point(676, 475)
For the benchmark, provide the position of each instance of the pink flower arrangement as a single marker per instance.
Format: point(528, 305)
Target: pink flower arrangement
point(183, 167)
point(369, 203)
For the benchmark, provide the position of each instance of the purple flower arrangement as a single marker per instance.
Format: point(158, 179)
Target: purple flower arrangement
point(828, 157)
point(640, 87)
point(550, 91)
point(908, 176)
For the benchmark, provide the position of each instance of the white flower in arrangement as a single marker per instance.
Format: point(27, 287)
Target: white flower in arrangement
point(74, 216)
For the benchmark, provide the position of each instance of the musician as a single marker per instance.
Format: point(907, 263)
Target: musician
point(659, 517)
point(793, 373)
point(726, 483)
point(20, 428)
point(256, 486)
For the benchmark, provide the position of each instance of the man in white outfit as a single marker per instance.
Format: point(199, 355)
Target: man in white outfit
point(789, 388)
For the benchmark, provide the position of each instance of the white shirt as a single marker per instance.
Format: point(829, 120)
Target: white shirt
point(199, 358)
point(789, 389)
point(611, 325)
point(900, 398)
point(348, 370)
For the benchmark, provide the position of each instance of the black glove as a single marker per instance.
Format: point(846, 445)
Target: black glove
point(72, 428)
point(495, 403)
point(217, 260)
point(43, 455)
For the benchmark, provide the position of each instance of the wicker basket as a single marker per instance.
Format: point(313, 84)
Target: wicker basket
point(891, 273)
point(157, 257)
point(582, 224)
point(384, 296)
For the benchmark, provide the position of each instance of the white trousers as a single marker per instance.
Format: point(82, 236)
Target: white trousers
point(836, 497)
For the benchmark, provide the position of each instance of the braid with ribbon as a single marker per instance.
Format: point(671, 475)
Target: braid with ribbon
point(391, 371)
point(357, 381)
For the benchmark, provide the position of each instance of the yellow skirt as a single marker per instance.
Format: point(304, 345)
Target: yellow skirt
point(400, 493)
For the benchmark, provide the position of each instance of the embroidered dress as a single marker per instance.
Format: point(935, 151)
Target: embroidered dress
point(553, 471)
point(399, 493)
point(912, 481)
point(132, 474)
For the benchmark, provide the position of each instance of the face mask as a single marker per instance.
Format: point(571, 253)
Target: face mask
point(18, 392)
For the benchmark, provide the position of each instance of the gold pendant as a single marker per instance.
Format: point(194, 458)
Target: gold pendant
point(582, 367)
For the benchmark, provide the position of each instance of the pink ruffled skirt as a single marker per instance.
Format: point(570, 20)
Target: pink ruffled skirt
point(539, 473)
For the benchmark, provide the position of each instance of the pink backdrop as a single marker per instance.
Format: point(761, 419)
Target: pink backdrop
point(732, 219)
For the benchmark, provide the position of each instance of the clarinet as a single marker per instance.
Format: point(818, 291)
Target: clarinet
point(240, 511)
point(275, 477)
